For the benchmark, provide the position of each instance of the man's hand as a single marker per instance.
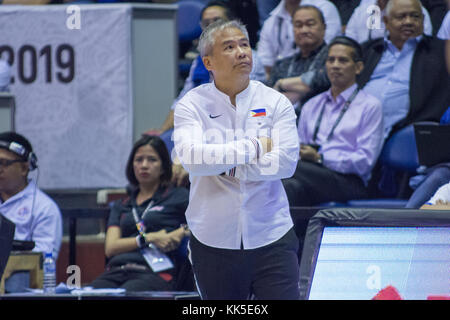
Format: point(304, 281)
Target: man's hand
point(164, 241)
point(293, 97)
point(308, 153)
point(439, 205)
point(279, 85)
point(180, 177)
point(293, 88)
point(266, 143)
point(153, 132)
point(442, 202)
point(294, 84)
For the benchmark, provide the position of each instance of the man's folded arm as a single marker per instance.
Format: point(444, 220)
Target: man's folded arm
point(206, 159)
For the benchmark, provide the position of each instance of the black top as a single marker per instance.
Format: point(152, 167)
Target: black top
point(169, 206)
point(295, 65)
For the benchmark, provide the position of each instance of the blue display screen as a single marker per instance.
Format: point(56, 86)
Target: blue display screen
point(354, 263)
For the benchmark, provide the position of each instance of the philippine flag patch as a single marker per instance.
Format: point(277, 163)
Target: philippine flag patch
point(258, 112)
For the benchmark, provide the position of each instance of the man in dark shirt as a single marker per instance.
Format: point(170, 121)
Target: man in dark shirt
point(303, 74)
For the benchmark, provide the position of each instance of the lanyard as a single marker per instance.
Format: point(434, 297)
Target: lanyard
point(341, 114)
point(140, 222)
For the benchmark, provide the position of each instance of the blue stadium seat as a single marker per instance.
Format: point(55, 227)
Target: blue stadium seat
point(332, 204)
point(188, 29)
point(166, 136)
point(399, 153)
point(378, 203)
point(188, 20)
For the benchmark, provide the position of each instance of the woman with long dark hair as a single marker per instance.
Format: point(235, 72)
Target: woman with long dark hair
point(148, 223)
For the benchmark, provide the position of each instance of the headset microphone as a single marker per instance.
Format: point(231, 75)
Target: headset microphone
point(20, 150)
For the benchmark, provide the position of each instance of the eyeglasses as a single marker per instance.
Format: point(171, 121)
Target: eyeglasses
point(6, 162)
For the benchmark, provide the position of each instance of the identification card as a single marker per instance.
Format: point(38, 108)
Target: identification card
point(156, 259)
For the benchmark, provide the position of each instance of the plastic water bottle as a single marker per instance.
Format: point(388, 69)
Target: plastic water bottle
point(49, 274)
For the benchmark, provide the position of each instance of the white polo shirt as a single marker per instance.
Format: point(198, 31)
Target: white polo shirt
point(214, 137)
point(37, 218)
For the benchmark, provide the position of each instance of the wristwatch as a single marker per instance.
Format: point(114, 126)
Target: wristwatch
point(141, 242)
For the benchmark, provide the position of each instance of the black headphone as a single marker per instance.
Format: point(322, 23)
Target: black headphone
point(20, 150)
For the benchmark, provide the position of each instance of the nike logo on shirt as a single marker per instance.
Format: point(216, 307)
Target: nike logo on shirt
point(213, 117)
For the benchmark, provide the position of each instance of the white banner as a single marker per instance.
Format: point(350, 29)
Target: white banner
point(71, 71)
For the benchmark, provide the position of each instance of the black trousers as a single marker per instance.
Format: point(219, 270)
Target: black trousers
point(131, 280)
point(313, 184)
point(266, 273)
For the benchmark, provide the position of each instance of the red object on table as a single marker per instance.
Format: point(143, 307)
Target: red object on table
point(388, 293)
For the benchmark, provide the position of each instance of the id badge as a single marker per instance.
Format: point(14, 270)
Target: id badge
point(157, 260)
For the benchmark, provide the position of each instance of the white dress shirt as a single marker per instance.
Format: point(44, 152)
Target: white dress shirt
point(247, 203)
point(444, 30)
point(277, 33)
point(357, 27)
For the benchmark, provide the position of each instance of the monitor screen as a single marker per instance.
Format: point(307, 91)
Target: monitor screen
point(355, 263)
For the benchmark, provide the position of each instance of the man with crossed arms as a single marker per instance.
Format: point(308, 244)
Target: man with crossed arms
point(237, 139)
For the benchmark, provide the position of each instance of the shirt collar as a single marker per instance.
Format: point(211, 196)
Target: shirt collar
point(29, 189)
point(157, 196)
point(389, 45)
point(280, 10)
point(224, 96)
point(219, 93)
point(343, 96)
point(313, 53)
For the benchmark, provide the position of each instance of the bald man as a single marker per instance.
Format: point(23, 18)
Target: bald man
point(405, 69)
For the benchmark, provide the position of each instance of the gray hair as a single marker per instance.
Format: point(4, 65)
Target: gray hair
point(390, 4)
point(207, 39)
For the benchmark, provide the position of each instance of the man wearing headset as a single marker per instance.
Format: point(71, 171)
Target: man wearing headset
point(36, 216)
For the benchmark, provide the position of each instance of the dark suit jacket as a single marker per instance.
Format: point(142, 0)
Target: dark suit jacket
point(437, 10)
point(429, 85)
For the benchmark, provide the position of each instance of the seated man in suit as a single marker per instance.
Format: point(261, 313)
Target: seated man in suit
point(405, 70)
point(340, 133)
